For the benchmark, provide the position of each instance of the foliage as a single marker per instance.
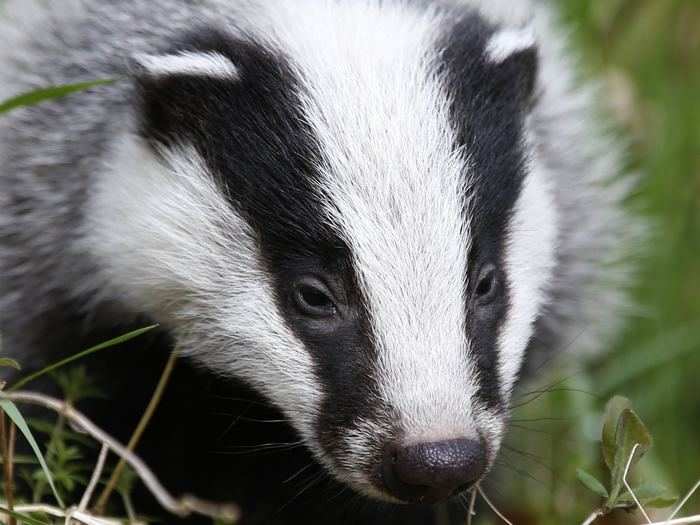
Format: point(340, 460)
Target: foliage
point(647, 53)
point(14, 414)
point(625, 439)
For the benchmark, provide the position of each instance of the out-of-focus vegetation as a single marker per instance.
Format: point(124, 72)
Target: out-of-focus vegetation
point(648, 54)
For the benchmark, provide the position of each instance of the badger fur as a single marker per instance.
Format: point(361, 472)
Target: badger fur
point(370, 212)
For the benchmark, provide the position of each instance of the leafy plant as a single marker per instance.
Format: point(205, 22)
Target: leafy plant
point(625, 440)
point(14, 414)
point(64, 454)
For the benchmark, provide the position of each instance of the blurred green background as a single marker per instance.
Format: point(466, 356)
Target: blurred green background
point(647, 53)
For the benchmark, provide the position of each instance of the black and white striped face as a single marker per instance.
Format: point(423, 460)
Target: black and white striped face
point(347, 214)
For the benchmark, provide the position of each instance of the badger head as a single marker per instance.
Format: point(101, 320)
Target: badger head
point(347, 211)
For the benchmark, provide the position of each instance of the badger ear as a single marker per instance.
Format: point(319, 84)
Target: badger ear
point(210, 64)
point(178, 92)
point(514, 56)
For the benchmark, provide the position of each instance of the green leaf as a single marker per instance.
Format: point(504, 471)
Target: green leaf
point(20, 459)
point(41, 95)
point(630, 432)
point(613, 411)
point(9, 363)
point(591, 483)
point(112, 342)
point(14, 414)
point(649, 495)
point(22, 518)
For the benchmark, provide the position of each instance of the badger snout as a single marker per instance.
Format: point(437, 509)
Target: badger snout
point(434, 471)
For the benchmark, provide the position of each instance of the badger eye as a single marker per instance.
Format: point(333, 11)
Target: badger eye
point(312, 298)
point(486, 284)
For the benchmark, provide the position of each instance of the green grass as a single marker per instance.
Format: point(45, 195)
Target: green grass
point(648, 54)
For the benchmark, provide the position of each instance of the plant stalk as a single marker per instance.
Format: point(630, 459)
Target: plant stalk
point(7, 449)
point(138, 432)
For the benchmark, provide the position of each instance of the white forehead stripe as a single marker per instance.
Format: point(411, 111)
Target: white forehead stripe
point(508, 42)
point(529, 260)
point(209, 64)
point(394, 184)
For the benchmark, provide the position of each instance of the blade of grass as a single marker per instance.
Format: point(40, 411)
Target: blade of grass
point(14, 414)
point(41, 95)
point(22, 518)
point(112, 342)
point(6, 361)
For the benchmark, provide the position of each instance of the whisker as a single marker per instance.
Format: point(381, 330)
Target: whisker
point(315, 479)
point(521, 472)
point(237, 450)
point(257, 420)
point(538, 460)
point(530, 429)
point(233, 423)
point(536, 394)
point(299, 472)
point(541, 419)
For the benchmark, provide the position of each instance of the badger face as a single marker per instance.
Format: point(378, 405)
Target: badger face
point(348, 213)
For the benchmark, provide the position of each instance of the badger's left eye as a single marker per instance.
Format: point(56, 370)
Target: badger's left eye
point(486, 284)
point(312, 298)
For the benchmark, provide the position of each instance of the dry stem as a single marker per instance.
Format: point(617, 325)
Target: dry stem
point(7, 461)
point(472, 502)
point(670, 521)
point(138, 432)
point(184, 506)
point(493, 507)
point(94, 479)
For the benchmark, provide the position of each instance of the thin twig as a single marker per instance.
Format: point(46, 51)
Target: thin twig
point(85, 500)
point(183, 506)
point(493, 507)
point(684, 501)
point(130, 512)
point(11, 455)
point(138, 432)
point(71, 514)
point(591, 519)
point(7, 467)
point(679, 521)
point(472, 502)
point(627, 485)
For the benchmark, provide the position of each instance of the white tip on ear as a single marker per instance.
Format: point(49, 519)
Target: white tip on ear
point(194, 63)
point(507, 42)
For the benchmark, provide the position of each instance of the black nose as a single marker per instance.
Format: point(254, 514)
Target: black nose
point(430, 472)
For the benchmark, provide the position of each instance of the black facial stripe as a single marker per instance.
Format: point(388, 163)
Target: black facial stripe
point(489, 104)
point(253, 136)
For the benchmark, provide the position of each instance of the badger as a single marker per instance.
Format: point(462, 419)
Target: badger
point(373, 214)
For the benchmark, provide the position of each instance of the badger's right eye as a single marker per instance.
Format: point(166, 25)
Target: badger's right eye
point(312, 298)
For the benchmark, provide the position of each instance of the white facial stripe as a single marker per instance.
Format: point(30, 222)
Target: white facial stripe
point(209, 64)
point(168, 240)
point(395, 189)
point(509, 41)
point(529, 260)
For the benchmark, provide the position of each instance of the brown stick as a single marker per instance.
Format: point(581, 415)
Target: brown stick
point(183, 506)
point(138, 432)
point(7, 466)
